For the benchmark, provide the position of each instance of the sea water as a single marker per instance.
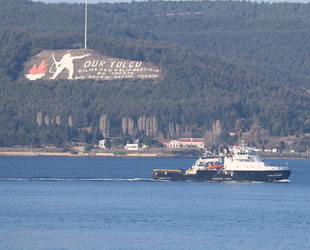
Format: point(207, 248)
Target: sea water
point(112, 203)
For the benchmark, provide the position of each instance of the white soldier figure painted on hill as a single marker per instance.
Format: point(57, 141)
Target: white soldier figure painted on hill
point(66, 62)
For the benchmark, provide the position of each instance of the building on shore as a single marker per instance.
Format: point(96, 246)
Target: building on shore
point(135, 146)
point(132, 146)
point(184, 143)
point(102, 143)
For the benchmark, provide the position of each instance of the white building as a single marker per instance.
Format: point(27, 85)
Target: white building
point(101, 143)
point(132, 146)
point(192, 142)
point(173, 144)
point(184, 143)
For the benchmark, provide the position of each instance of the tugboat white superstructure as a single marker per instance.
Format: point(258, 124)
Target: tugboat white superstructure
point(240, 164)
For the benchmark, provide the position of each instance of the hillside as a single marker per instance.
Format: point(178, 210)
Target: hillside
point(271, 40)
point(225, 81)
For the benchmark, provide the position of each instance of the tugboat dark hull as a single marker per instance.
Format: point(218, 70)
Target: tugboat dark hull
point(221, 175)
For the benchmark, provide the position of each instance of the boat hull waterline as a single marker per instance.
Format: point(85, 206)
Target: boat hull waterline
point(214, 175)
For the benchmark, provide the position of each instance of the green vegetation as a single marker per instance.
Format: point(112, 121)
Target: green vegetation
point(120, 153)
point(241, 63)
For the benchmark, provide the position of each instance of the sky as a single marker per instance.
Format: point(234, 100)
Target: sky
point(114, 1)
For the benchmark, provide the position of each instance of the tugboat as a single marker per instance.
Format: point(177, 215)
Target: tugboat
point(239, 164)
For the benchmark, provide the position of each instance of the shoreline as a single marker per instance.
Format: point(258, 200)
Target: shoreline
point(68, 154)
point(125, 154)
point(38, 153)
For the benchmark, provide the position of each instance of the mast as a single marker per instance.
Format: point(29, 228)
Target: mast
point(85, 38)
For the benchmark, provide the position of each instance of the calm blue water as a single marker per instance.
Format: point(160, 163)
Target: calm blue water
point(112, 203)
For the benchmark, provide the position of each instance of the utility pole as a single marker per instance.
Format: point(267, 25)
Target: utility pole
point(85, 39)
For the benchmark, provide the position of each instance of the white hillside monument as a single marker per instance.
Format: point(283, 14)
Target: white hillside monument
point(87, 64)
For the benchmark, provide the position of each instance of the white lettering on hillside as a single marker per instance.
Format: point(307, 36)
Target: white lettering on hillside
point(113, 64)
point(78, 65)
point(109, 70)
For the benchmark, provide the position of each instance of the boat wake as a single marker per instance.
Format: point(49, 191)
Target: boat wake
point(78, 179)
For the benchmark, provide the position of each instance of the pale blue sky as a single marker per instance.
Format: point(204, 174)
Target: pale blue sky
point(111, 1)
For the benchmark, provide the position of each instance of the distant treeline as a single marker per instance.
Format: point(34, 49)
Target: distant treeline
point(238, 63)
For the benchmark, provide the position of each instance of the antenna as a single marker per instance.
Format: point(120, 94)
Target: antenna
point(85, 39)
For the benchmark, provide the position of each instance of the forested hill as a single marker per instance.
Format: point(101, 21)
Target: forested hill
point(269, 39)
point(237, 63)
